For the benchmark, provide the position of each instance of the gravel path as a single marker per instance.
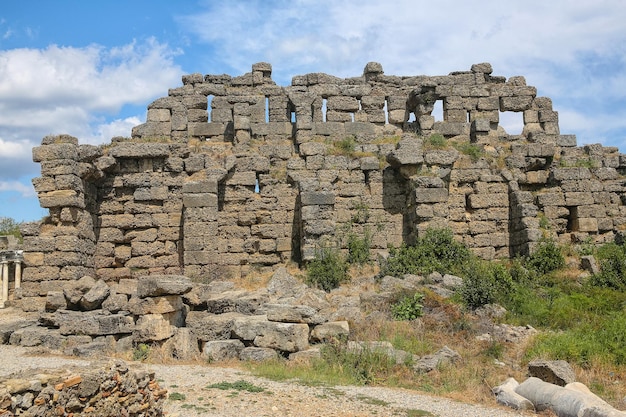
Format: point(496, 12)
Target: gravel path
point(276, 399)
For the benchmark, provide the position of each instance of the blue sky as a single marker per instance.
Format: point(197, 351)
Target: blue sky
point(90, 68)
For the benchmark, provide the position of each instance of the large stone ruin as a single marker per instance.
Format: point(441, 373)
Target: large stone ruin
point(234, 173)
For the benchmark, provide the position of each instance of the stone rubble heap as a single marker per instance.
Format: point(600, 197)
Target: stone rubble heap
point(114, 390)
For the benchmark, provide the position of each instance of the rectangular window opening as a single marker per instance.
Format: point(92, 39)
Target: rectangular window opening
point(323, 110)
point(209, 100)
point(386, 112)
point(267, 109)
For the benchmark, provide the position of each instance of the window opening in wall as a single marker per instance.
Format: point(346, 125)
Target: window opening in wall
point(572, 219)
point(386, 112)
point(352, 117)
point(293, 117)
point(412, 117)
point(267, 109)
point(467, 119)
point(512, 122)
point(367, 177)
point(209, 100)
point(437, 112)
point(359, 101)
point(323, 110)
point(257, 187)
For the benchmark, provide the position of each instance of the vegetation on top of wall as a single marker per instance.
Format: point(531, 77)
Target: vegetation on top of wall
point(9, 226)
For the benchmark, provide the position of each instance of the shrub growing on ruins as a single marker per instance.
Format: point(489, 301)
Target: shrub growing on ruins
point(359, 248)
point(485, 283)
point(328, 270)
point(435, 251)
point(612, 259)
point(437, 141)
point(408, 307)
point(547, 257)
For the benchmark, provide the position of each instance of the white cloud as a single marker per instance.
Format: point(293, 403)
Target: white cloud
point(25, 191)
point(75, 90)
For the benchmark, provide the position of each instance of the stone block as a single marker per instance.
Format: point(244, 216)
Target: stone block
point(220, 350)
point(152, 328)
point(284, 337)
point(158, 285)
point(317, 198)
point(431, 195)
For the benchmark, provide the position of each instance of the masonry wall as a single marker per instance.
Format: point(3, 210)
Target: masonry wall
point(233, 173)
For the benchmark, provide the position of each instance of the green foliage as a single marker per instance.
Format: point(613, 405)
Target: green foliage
point(177, 396)
point(408, 308)
point(547, 257)
point(362, 366)
point(437, 141)
point(345, 146)
point(328, 270)
point(359, 248)
point(612, 274)
point(474, 151)
point(435, 251)
point(141, 352)
point(240, 385)
point(604, 341)
point(9, 226)
point(485, 283)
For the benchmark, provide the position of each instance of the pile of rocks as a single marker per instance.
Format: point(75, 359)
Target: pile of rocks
point(88, 317)
point(114, 390)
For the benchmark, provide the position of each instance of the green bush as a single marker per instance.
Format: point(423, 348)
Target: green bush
point(408, 308)
point(362, 366)
point(437, 141)
point(359, 248)
point(328, 270)
point(485, 283)
point(435, 251)
point(547, 257)
point(8, 226)
point(612, 274)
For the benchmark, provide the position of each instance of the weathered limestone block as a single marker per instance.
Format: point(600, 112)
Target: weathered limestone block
point(286, 313)
point(431, 195)
point(55, 300)
point(93, 298)
point(478, 201)
point(155, 305)
point(441, 157)
point(55, 151)
point(220, 350)
point(553, 372)
point(408, 152)
point(93, 323)
point(37, 336)
point(247, 328)
point(327, 332)
point(244, 302)
point(157, 285)
point(285, 337)
point(208, 326)
point(152, 328)
point(443, 356)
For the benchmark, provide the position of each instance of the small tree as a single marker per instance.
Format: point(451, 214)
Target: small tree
point(9, 226)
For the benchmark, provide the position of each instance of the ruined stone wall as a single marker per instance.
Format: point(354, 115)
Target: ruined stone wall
point(232, 173)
